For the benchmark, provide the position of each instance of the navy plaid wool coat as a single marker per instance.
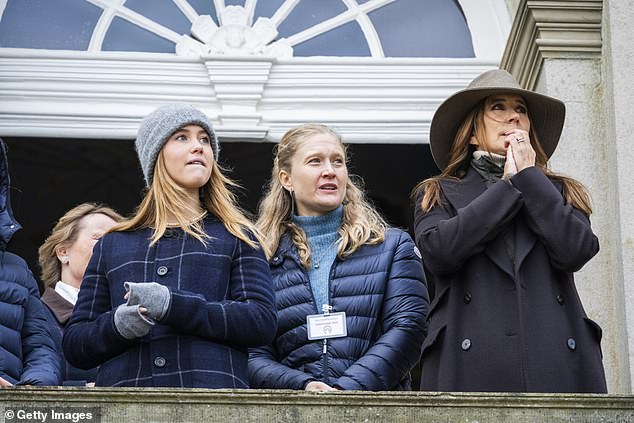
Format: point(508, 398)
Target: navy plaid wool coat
point(221, 304)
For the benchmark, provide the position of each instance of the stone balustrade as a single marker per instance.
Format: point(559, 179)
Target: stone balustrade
point(260, 406)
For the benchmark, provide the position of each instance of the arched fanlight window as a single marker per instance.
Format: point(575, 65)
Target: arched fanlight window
point(282, 28)
point(375, 69)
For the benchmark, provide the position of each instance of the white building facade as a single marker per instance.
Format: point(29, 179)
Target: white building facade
point(376, 70)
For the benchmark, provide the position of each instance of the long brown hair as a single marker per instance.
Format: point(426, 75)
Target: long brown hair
point(574, 192)
point(166, 198)
point(362, 224)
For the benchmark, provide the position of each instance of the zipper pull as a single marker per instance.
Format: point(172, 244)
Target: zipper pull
point(325, 350)
point(326, 308)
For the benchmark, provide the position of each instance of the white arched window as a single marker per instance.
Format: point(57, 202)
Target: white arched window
point(375, 69)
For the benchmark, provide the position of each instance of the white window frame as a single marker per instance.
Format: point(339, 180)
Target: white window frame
point(104, 95)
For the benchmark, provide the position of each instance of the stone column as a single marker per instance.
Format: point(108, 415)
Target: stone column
point(618, 68)
point(557, 48)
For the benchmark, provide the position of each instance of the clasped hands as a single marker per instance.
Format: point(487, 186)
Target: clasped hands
point(519, 152)
point(146, 304)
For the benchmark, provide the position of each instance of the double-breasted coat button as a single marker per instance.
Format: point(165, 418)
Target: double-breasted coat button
point(159, 362)
point(276, 259)
point(572, 344)
point(560, 299)
point(467, 297)
point(466, 344)
point(162, 270)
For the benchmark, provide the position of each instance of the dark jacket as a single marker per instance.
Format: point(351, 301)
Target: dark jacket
point(383, 291)
point(27, 351)
point(221, 303)
point(506, 315)
point(59, 310)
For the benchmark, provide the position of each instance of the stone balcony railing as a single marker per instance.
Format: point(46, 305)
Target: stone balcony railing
point(122, 405)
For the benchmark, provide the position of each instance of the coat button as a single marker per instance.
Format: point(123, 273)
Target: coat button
point(572, 344)
point(169, 233)
point(466, 344)
point(159, 362)
point(560, 299)
point(467, 297)
point(162, 270)
point(276, 259)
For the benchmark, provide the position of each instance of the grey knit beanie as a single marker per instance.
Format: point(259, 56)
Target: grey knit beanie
point(158, 126)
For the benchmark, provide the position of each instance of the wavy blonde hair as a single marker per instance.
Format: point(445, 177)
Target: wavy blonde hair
point(64, 234)
point(574, 192)
point(166, 198)
point(362, 224)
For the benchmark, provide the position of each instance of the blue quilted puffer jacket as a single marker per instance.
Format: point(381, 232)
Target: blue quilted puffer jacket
point(27, 352)
point(382, 289)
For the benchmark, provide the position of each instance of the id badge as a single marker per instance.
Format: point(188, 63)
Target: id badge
point(325, 326)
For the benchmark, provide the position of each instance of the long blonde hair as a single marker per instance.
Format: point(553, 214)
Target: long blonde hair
point(362, 224)
point(64, 234)
point(460, 154)
point(166, 198)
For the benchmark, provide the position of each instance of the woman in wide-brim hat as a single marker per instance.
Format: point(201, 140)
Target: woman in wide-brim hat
point(502, 235)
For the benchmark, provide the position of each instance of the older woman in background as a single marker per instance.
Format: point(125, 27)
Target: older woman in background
point(63, 259)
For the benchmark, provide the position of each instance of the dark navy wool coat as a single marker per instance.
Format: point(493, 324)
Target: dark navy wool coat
point(382, 290)
point(221, 304)
point(503, 324)
point(27, 352)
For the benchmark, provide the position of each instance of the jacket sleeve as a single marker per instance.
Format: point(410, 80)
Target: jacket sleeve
point(404, 312)
point(564, 230)
point(447, 237)
point(266, 372)
point(42, 360)
point(91, 338)
point(247, 319)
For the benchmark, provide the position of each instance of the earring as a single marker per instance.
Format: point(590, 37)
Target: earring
point(65, 259)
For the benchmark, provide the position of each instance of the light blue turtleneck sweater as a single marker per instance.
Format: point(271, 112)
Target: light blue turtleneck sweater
point(322, 235)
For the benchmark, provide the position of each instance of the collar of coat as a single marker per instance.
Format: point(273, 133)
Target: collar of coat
point(59, 306)
point(286, 248)
point(8, 224)
point(462, 192)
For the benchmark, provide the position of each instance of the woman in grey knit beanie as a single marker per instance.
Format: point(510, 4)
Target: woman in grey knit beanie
point(182, 288)
point(158, 126)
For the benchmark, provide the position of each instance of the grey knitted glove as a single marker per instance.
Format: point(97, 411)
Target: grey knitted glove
point(130, 323)
point(151, 295)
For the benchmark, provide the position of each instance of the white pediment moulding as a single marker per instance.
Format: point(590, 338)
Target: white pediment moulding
point(75, 95)
point(546, 29)
point(249, 85)
point(488, 21)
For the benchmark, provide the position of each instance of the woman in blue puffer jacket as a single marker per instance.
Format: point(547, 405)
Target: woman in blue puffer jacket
point(27, 352)
point(351, 292)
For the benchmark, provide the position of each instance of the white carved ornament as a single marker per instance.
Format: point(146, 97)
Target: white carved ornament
point(234, 37)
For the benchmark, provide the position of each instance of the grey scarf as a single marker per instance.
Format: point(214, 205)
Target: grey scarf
point(489, 165)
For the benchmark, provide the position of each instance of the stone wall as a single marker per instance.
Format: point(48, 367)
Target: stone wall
point(261, 406)
point(581, 52)
point(618, 100)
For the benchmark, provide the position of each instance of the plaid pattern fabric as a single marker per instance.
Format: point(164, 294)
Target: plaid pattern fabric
point(221, 303)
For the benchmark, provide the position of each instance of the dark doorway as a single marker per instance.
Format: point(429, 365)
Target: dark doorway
point(50, 176)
